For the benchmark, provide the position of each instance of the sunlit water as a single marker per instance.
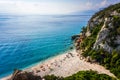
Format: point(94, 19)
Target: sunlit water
point(27, 40)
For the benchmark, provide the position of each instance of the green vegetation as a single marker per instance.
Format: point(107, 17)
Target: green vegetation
point(88, 42)
point(84, 29)
point(52, 77)
point(89, 75)
point(114, 31)
point(116, 21)
point(118, 30)
point(105, 12)
point(118, 10)
point(110, 61)
point(82, 75)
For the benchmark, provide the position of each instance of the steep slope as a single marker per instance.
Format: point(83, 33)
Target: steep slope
point(110, 31)
point(100, 40)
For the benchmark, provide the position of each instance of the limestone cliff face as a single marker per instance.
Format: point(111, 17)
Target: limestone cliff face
point(108, 38)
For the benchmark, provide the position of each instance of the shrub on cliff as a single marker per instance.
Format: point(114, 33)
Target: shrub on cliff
point(88, 75)
point(52, 77)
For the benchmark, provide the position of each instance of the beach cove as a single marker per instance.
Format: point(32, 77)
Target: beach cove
point(65, 65)
point(28, 40)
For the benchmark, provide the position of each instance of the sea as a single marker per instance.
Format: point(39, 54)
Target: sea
point(26, 40)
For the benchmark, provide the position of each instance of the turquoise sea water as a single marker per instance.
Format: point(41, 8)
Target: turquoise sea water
point(26, 40)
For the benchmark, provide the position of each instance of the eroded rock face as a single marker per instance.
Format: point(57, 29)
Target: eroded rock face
point(106, 39)
point(102, 36)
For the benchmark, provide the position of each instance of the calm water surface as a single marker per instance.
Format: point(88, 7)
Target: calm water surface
point(27, 40)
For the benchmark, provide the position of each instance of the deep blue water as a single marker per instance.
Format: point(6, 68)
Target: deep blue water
point(27, 40)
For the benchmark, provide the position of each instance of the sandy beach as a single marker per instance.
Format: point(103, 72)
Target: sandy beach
point(65, 65)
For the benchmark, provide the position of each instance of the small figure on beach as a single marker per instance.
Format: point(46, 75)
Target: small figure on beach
point(71, 54)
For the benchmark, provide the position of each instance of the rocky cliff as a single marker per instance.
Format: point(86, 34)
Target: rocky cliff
point(104, 27)
point(108, 38)
point(100, 39)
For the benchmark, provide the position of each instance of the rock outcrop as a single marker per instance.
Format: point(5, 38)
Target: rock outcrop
point(101, 43)
point(23, 75)
point(108, 37)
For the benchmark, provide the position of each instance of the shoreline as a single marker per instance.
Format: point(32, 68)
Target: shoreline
point(47, 59)
point(39, 63)
point(30, 66)
point(64, 65)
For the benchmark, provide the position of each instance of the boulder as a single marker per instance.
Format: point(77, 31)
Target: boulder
point(23, 75)
point(75, 37)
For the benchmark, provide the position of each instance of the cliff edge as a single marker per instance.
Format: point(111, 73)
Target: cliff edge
point(100, 39)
